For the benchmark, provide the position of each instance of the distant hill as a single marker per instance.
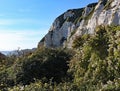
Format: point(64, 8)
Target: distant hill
point(6, 52)
point(15, 52)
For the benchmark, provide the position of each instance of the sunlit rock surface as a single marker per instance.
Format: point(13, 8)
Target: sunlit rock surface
point(76, 22)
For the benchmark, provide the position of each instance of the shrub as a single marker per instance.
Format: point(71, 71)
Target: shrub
point(44, 63)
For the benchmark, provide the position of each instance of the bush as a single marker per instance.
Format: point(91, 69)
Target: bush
point(44, 63)
point(95, 66)
point(97, 60)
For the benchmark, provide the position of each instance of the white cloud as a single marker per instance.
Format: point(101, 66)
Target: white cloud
point(11, 40)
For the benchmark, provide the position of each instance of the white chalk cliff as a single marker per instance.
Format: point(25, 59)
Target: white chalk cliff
point(76, 22)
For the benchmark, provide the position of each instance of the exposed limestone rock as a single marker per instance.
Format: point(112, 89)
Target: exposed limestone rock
point(76, 22)
point(68, 14)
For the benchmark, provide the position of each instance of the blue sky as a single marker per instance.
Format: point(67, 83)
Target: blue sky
point(24, 22)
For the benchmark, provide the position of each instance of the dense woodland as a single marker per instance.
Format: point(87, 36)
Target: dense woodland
point(93, 64)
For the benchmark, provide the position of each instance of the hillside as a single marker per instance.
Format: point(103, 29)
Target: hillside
point(81, 52)
point(76, 22)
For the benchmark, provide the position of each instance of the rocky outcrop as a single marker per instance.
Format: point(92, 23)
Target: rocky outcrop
point(76, 22)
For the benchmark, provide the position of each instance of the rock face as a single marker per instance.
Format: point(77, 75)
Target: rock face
point(76, 22)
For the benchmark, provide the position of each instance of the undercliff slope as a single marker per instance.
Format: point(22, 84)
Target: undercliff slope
point(76, 22)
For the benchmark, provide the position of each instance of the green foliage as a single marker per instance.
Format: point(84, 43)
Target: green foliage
point(73, 32)
point(86, 18)
point(104, 2)
point(108, 5)
point(61, 19)
point(79, 16)
point(43, 64)
point(90, 14)
point(39, 86)
point(79, 40)
point(95, 66)
point(76, 17)
point(92, 5)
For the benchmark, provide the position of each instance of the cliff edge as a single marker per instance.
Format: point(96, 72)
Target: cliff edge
point(76, 22)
